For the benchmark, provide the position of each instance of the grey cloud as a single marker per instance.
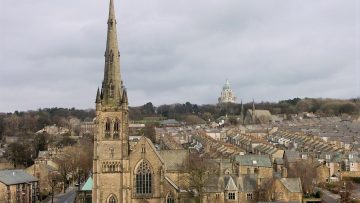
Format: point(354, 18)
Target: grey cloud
point(177, 51)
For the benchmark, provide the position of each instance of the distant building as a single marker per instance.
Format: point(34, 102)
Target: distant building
point(54, 130)
point(169, 123)
point(42, 173)
point(254, 116)
point(18, 186)
point(286, 190)
point(227, 95)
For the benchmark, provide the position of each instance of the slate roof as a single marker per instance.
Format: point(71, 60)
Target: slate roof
point(174, 159)
point(13, 177)
point(169, 122)
point(153, 148)
point(253, 160)
point(259, 113)
point(291, 156)
point(172, 183)
point(292, 184)
point(279, 161)
point(248, 183)
point(245, 183)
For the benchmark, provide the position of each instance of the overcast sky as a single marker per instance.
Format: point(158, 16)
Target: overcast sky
point(52, 52)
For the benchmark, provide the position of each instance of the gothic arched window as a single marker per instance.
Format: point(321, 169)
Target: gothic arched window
point(170, 198)
point(112, 199)
point(116, 129)
point(107, 128)
point(143, 179)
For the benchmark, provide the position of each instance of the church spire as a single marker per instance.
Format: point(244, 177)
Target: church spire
point(112, 84)
point(98, 98)
point(111, 10)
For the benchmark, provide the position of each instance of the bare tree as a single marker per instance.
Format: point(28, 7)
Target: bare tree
point(66, 164)
point(306, 171)
point(54, 179)
point(265, 191)
point(75, 162)
point(200, 170)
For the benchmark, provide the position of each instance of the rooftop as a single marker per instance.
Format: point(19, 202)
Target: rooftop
point(17, 176)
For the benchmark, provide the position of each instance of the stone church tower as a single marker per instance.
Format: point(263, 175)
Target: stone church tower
point(111, 151)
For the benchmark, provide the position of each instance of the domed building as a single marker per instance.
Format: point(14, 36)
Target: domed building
point(227, 95)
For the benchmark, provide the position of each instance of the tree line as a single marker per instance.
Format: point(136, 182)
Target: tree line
point(323, 107)
point(26, 123)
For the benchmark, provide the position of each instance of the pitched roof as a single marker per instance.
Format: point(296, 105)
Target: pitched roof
point(174, 159)
point(169, 122)
point(13, 177)
point(249, 183)
point(172, 183)
point(253, 160)
point(279, 161)
point(152, 147)
point(259, 113)
point(88, 185)
point(292, 184)
point(291, 156)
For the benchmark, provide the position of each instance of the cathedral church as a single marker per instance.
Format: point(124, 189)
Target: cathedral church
point(120, 174)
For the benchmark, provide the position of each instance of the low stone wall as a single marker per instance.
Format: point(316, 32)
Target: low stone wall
point(351, 174)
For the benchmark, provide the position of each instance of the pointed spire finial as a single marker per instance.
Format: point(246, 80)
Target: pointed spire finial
point(124, 96)
point(111, 11)
point(98, 98)
point(111, 87)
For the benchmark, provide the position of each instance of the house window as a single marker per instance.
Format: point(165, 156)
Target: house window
point(249, 196)
point(170, 199)
point(231, 195)
point(217, 196)
point(112, 199)
point(143, 179)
